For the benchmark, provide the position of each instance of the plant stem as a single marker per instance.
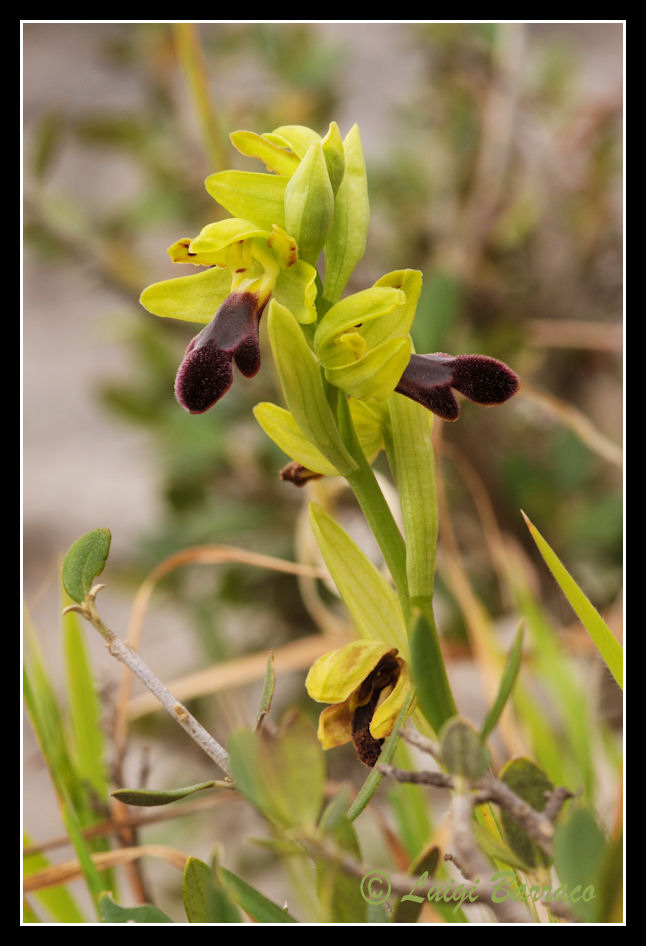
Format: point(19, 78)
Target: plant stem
point(190, 55)
point(373, 503)
point(123, 652)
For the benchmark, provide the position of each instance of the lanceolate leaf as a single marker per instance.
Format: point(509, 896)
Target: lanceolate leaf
point(606, 642)
point(371, 600)
point(254, 903)
point(412, 459)
point(149, 798)
point(512, 666)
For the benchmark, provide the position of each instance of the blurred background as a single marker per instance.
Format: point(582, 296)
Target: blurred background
point(494, 162)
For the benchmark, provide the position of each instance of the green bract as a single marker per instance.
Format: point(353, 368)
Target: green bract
point(283, 429)
point(303, 388)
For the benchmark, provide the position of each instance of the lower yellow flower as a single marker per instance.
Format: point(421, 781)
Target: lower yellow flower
point(367, 685)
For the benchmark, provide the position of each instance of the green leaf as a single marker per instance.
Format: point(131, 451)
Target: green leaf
point(579, 851)
point(429, 674)
point(246, 772)
point(610, 883)
point(85, 560)
point(113, 913)
point(268, 688)
point(46, 719)
point(253, 196)
point(410, 807)
point(370, 599)
point(303, 387)
point(530, 783)
point(605, 641)
point(309, 204)
point(254, 903)
point(509, 674)
point(58, 901)
point(496, 849)
point(292, 770)
point(462, 750)
point(339, 894)
point(89, 748)
point(150, 798)
point(346, 243)
point(412, 461)
point(205, 900)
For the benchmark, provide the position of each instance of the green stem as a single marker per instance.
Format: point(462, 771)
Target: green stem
point(429, 671)
point(191, 57)
point(373, 503)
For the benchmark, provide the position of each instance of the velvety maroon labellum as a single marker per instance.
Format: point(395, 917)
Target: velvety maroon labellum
point(206, 372)
point(428, 379)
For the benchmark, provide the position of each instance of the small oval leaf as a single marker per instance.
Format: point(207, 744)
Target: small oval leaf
point(462, 750)
point(149, 798)
point(85, 560)
point(530, 782)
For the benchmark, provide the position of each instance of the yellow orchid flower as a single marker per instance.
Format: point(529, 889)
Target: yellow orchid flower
point(367, 685)
point(247, 265)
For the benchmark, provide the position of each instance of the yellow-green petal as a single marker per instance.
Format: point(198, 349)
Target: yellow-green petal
point(369, 419)
point(377, 374)
point(302, 385)
point(335, 726)
point(346, 243)
point(193, 298)
point(275, 158)
point(296, 289)
point(309, 204)
point(336, 675)
point(280, 426)
point(354, 310)
point(214, 239)
point(399, 321)
point(334, 156)
point(253, 196)
point(385, 716)
point(296, 137)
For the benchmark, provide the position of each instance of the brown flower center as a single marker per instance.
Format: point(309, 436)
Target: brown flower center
point(385, 674)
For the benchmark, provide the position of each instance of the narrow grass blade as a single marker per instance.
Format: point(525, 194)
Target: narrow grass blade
point(512, 666)
point(605, 641)
point(371, 784)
